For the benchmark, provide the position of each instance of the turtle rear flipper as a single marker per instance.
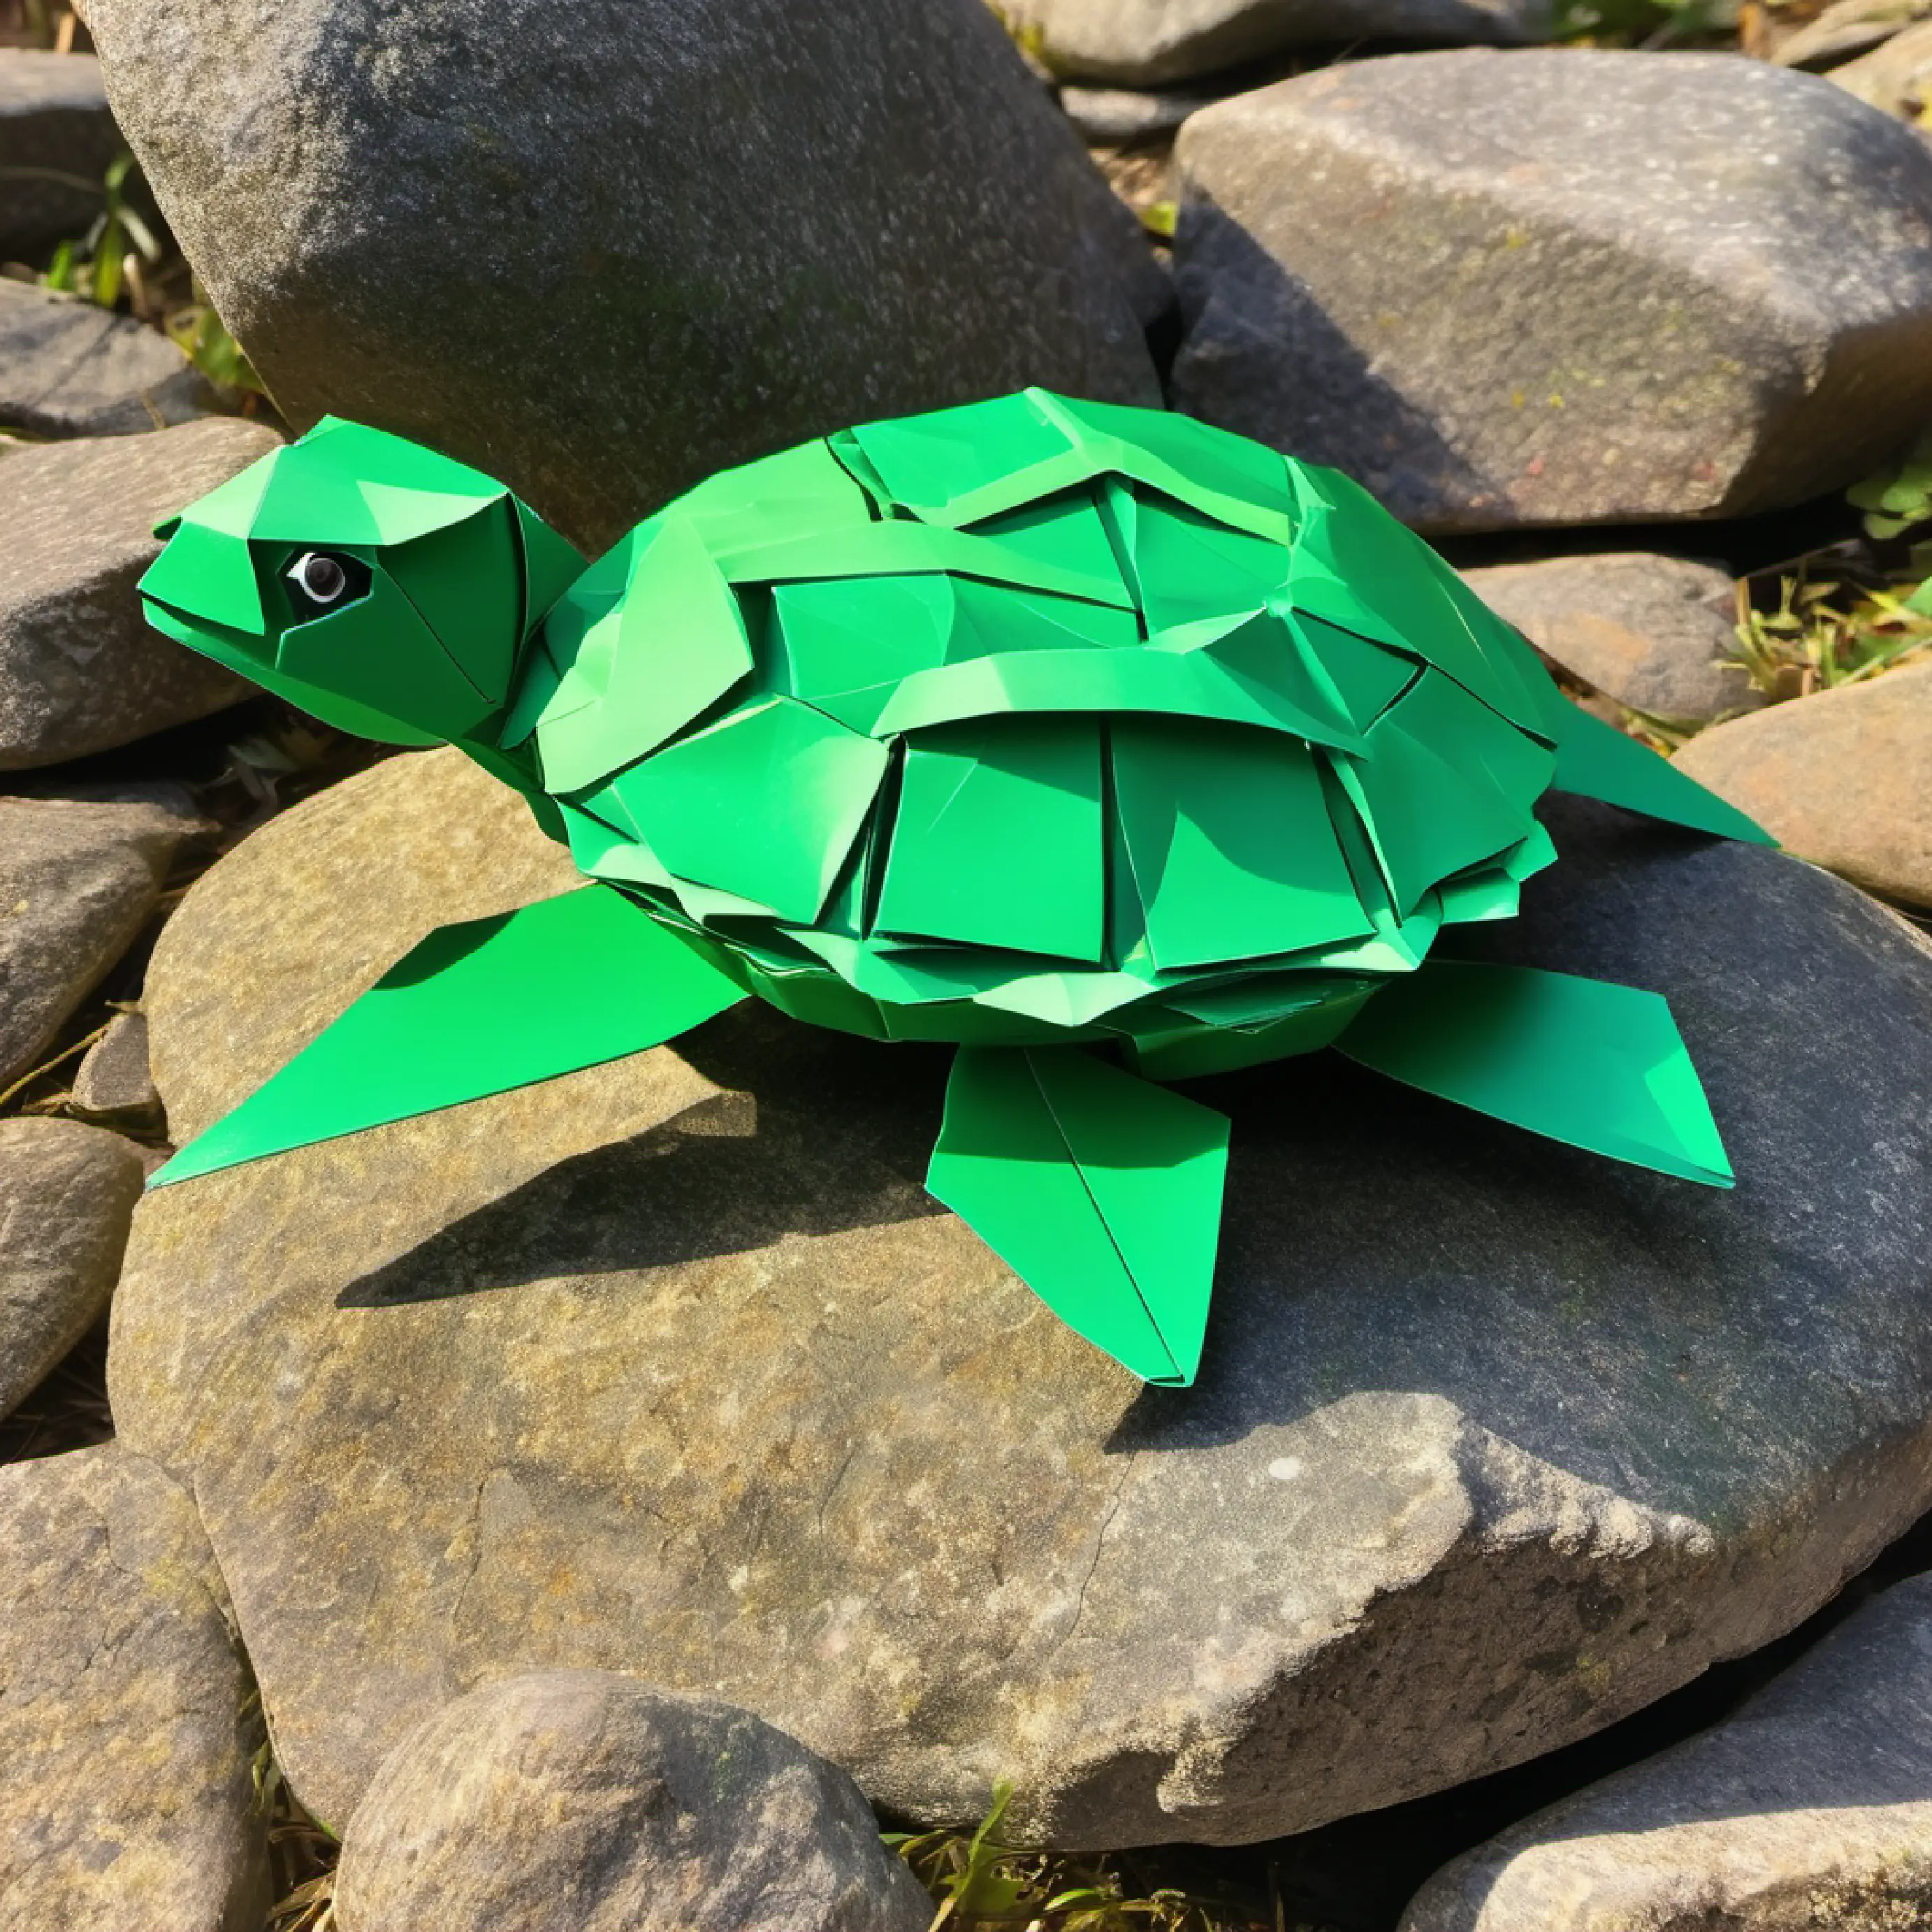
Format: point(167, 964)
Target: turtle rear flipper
point(1102, 1192)
point(1582, 1061)
point(1594, 760)
point(475, 1009)
point(1597, 760)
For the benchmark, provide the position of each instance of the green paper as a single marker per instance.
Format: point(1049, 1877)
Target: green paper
point(1593, 1065)
point(422, 638)
point(672, 647)
point(1025, 724)
point(1597, 760)
point(894, 550)
point(238, 653)
point(1426, 819)
point(1231, 853)
point(1193, 684)
point(475, 1009)
point(383, 640)
point(1102, 1192)
point(996, 840)
point(466, 582)
point(764, 805)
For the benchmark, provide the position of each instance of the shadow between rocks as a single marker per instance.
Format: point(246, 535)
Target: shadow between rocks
point(1359, 1874)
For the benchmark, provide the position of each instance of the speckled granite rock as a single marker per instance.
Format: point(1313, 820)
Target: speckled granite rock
point(1843, 777)
point(54, 121)
point(672, 1367)
point(67, 368)
point(80, 671)
point(577, 1800)
point(1558, 286)
point(750, 220)
point(125, 1725)
point(1652, 632)
point(79, 875)
point(113, 1082)
point(67, 1194)
point(1810, 1807)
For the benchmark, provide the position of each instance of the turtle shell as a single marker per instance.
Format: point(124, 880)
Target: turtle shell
point(1039, 719)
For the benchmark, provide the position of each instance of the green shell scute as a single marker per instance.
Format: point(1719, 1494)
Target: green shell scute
point(1039, 719)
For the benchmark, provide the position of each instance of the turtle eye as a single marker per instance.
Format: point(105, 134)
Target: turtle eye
point(319, 579)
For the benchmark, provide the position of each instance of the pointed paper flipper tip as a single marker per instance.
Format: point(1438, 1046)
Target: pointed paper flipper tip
point(1101, 1191)
point(475, 1010)
point(1594, 1065)
point(1597, 760)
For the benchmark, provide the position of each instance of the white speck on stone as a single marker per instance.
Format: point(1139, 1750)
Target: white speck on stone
point(1285, 1469)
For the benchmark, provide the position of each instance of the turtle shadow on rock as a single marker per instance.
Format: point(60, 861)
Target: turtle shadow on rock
point(1693, 1350)
point(734, 1173)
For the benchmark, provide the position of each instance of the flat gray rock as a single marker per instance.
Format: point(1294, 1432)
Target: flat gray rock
point(126, 1799)
point(1144, 42)
point(57, 139)
point(67, 1194)
point(113, 1082)
point(580, 1800)
point(67, 368)
point(79, 876)
point(1843, 778)
point(1654, 633)
point(602, 252)
point(1811, 1807)
point(1558, 286)
point(672, 1367)
point(80, 670)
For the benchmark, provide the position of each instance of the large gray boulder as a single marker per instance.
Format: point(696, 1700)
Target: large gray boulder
point(127, 1720)
point(579, 1800)
point(67, 368)
point(80, 671)
point(600, 250)
point(1559, 287)
point(79, 876)
point(672, 1367)
point(67, 1194)
point(57, 139)
point(1811, 1807)
point(1843, 777)
point(1145, 43)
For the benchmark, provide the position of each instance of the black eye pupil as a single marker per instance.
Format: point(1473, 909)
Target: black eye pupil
point(321, 576)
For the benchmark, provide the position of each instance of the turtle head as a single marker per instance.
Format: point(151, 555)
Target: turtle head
point(386, 589)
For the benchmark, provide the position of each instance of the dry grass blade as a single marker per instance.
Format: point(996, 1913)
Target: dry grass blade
point(301, 1853)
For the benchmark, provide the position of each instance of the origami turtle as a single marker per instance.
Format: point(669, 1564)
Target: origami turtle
point(1111, 747)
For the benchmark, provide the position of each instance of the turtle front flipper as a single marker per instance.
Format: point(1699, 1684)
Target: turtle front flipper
point(1591, 1064)
point(1102, 1192)
point(474, 1009)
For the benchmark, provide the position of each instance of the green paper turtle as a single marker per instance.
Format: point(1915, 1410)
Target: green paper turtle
point(1113, 748)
